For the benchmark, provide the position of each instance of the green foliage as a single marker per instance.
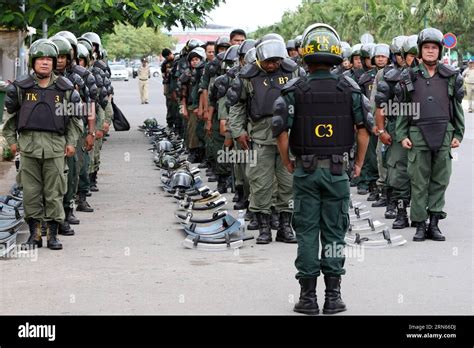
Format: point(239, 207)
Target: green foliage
point(384, 19)
point(79, 16)
point(130, 42)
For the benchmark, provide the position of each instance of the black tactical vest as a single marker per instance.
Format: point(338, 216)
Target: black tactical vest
point(323, 124)
point(266, 89)
point(38, 110)
point(435, 113)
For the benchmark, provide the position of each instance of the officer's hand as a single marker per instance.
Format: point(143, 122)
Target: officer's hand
point(185, 113)
point(99, 134)
point(386, 139)
point(455, 143)
point(407, 144)
point(199, 112)
point(70, 151)
point(13, 149)
point(290, 167)
point(228, 143)
point(106, 127)
point(209, 128)
point(89, 142)
point(357, 170)
point(243, 139)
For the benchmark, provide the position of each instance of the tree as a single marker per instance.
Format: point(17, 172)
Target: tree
point(130, 42)
point(384, 19)
point(79, 16)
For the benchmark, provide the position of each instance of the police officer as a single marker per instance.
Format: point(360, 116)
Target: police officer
point(171, 105)
point(292, 50)
point(143, 77)
point(346, 64)
point(468, 75)
point(370, 175)
point(397, 183)
point(42, 128)
point(255, 89)
point(430, 134)
point(319, 112)
point(356, 70)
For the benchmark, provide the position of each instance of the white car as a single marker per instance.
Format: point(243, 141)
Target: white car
point(155, 70)
point(118, 72)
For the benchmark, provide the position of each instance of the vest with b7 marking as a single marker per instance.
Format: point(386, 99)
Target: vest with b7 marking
point(323, 124)
point(266, 89)
point(38, 110)
point(435, 109)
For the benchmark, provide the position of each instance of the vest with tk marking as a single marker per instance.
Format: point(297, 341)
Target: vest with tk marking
point(432, 96)
point(266, 89)
point(38, 110)
point(323, 124)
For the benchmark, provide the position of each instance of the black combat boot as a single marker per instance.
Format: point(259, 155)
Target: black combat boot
point(362, 191)
point(275, 219)
point(253, 224)
point(391, 210)
point(239, 193)
point(285, 232)
point(374, 192)
point(70, 217)
point(53, 241)
point(192, 158)
point(382, 201)
point(242, 203)
point(333, 302)
point(93, 182)
point(82, 204)
point(308, 303)
point(420, 234)
point(222, 184)
point(65, 229)
point(433, 232)
point(265, 233)
point(401, 221)
point(35, 240)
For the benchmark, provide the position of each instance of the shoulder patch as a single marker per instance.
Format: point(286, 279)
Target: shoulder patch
point(25, 81)
point(249, 71)
point(289, 65)
point(64, 84)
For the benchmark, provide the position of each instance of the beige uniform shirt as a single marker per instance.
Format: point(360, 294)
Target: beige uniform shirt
point(144, 72)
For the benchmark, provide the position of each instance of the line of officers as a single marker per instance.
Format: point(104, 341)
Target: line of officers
point(58, 117)
point(321, 115)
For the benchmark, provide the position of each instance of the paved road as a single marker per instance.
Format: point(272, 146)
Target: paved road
point(127, 258)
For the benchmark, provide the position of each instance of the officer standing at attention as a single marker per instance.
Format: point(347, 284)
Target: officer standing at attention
point(251, 97)
point(320, 113)
point(430, 135)
point(143, 76)
point(45, 135)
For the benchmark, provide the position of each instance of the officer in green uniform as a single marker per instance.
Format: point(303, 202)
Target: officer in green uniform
point(171, 105)
point(356, 70)
point(396, 191)
point(429, 134)
point(370, 174)
point(319, 112)
point(86, 142)
point(43, 130)
point(251, 98)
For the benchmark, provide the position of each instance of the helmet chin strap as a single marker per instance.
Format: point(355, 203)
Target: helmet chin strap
point(42, 77)
point(430, 63)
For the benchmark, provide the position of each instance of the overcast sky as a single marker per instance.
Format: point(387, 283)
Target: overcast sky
point(249, 14)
